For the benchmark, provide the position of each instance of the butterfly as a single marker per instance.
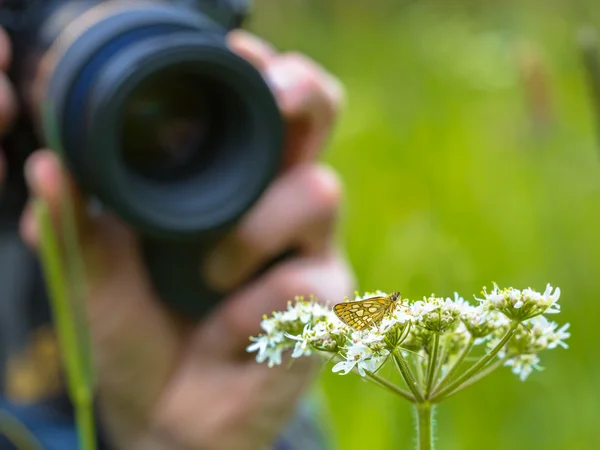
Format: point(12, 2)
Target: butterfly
point(367, 313)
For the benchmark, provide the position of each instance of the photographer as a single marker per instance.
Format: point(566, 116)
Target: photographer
point(165, 383)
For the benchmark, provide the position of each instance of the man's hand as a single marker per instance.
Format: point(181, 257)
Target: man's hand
point(164, 383)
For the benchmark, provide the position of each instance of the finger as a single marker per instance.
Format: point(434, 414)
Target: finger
point(297, 212)
point(309, 98)
point(48, 182)
point(5, 50)
point(8, 103)
point(226, 331)
point(250, 47)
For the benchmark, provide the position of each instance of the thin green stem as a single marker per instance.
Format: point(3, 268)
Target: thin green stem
point(425, 425)
point(473, 370)
point(482, 374)
point(419, 371)
point(448, 377)
point(390, 386)
point(407, 375)
point(17, 434)
point(432, 364)
point(84, 418)
point(73, 350)
point(441, 359)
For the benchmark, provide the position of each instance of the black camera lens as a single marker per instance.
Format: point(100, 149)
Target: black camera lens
point(170, 125)
point(163, 122)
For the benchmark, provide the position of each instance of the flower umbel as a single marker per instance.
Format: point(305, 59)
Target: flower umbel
point(428, 340)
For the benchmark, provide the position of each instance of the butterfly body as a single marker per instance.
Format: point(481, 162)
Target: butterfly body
point(364, 314)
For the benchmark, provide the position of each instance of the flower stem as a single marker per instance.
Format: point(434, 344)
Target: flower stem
point(441, 358)
point(419, 371)
point(473, 370)
point(390, 386)
point(407, 375)
point(431, 364)
point(448, 377)
point(424, 425)
point(482, 374)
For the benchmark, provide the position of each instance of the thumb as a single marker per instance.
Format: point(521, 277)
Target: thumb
point(49, 182)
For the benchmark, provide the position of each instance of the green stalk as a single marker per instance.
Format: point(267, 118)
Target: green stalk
point(473, 370)
point(425, 425)
point(407, 375)
point(482, 374)
point(419, 371)
point(441, 359)
point(432, 364)
point(448, 377)
point(390, 386)
point(77, 282)
point(68, 328)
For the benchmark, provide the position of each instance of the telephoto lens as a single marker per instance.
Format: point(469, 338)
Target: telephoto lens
point(155, 117)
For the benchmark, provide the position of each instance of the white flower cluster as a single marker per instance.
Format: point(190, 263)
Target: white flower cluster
point(521, 305)
point(457, 325)
point(301, 327)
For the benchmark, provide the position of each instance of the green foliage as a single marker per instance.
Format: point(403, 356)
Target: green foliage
point(460, 172)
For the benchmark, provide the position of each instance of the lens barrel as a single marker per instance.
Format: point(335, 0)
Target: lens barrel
point(165, 125)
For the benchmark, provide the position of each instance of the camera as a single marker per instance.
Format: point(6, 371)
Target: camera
point(155, 117)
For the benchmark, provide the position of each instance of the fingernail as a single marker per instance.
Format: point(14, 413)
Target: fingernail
point(282, 77)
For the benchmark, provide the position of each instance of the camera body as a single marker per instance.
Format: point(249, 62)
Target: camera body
point(156, 119)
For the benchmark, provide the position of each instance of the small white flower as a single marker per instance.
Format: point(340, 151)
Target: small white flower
point(523, 365)
point(268, 349)
point(461, 303)
point(362, 357)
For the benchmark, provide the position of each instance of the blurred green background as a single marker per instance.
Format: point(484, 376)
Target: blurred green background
point(469, 155)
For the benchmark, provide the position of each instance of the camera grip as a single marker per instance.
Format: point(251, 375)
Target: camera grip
point(175, 269)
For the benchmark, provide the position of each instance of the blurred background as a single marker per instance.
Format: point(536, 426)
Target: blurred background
point(470, 155)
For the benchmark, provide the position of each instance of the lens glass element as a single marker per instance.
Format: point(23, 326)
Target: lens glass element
point(167, 124)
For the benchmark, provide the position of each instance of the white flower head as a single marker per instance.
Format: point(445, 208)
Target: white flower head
point(436, 314)
point(481, 322)
point(522, 305)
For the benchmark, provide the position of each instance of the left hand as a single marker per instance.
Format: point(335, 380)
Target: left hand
point(164, 384)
